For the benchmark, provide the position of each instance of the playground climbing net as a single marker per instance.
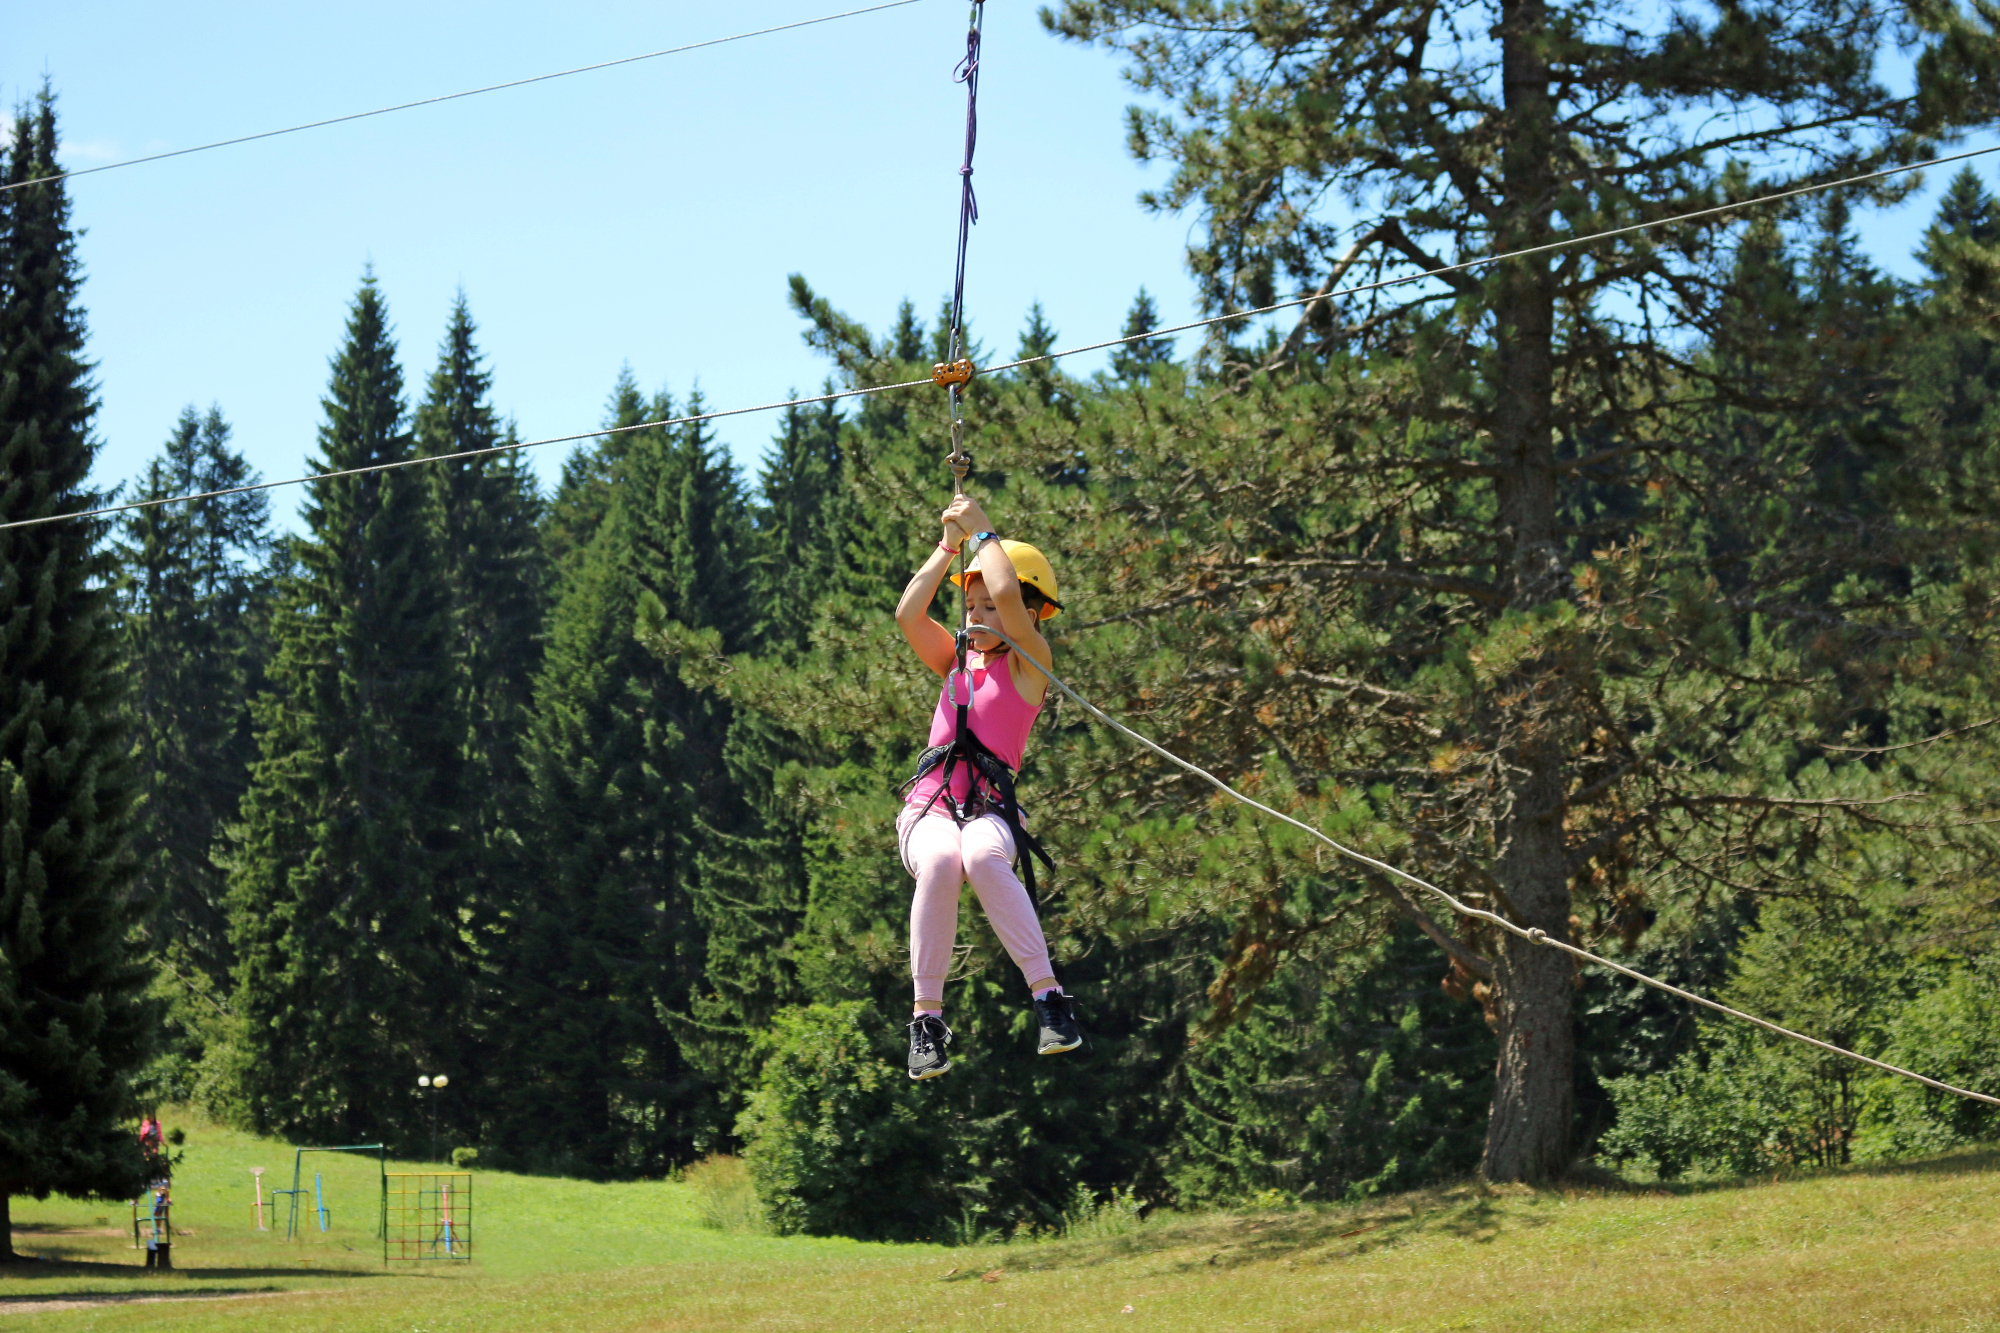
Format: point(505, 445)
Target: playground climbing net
point(427, 1215)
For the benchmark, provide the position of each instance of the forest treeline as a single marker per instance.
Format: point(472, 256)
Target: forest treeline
point(1642, 592)
point(585, 799)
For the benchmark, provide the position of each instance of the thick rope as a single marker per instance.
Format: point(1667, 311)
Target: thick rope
point(1569, 243)
point(967, 73)
point(1534, 935)
point(453, 97)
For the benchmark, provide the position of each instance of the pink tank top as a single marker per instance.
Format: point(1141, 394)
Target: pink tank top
point(999, 716)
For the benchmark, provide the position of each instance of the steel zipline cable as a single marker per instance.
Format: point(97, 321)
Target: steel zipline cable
point(1531, 934)
point(453, 97)
point(1567, 243)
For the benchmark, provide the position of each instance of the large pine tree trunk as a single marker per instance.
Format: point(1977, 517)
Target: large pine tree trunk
point(1527, 1133)
point(7, 1255)
point(1527, 1136)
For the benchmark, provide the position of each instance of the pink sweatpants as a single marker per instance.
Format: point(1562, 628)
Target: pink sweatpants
point(943, 856)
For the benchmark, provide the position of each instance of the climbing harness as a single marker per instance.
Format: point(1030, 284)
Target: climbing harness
point(1532, 934)
point(996, 795)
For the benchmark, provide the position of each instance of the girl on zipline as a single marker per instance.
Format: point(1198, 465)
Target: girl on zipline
point(960, 822)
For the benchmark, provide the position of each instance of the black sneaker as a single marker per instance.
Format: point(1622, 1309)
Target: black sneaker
point(1059, 1030)
point(928, 1038)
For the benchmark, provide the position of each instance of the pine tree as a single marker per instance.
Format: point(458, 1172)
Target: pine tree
point(494, 573)
point(834, 727)
point(73, 1025)
point(194, 591)
point(196, 599)
point(352, 968)
point(1138, 362)
point(1038, 339)
point(1959, 243)
point(607, 953)
point(583, 496)
point(752, 875)
point(1536, 416)
point(797, 520)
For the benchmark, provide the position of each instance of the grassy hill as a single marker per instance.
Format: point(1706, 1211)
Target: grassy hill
point(1910, 1246)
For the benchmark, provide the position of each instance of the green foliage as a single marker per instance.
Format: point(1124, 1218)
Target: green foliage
point(195, 603)
point(1352, 1076)
point(725, 1196)
point(1951, 1032)
point(604, 947)
point(1135, 362)
point(352, 968)
point(1743, 1100)
point(73, 1019)
point(494, 573)
point(838, 1143)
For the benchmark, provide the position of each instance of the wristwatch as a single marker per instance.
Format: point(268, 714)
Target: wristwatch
point(984, 537)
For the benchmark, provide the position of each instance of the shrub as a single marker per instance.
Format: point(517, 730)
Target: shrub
point(1089, 1218)
point(1951, 1032)
point(724, 1195)
point(1744, 1100)
point(835, 1142)
point(1727, 1108)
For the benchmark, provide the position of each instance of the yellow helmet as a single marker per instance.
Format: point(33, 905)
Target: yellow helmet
point(1032, 568)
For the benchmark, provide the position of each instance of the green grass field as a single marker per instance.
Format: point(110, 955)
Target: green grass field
point(1915, 1246)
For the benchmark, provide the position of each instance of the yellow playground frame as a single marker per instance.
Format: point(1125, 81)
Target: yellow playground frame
point(427, 1215)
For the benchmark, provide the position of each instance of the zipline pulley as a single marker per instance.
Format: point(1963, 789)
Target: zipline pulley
point(948, 374)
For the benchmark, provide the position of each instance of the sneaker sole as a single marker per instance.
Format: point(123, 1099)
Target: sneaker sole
point(930, 1073)
point(1058, 1050)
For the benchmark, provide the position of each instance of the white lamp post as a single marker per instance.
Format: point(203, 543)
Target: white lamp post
point(435, 1083)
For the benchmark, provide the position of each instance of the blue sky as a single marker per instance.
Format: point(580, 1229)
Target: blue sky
point(647, 214)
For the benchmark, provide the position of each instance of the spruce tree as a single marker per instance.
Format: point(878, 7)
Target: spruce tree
point(352, 966)
point(73, 1025)
point(589, 475)
point(494, 574)
point(606, 954)
point(752, 872)
point(1136, 362)
point(195, 593)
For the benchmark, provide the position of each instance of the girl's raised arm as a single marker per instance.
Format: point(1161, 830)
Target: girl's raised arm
point(933, 642)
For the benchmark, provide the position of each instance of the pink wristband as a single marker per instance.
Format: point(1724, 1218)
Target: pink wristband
point(948, 550)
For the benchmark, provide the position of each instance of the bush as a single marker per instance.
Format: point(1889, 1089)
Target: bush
point(835, 1142)
point(724, 1194)
point(1950, 1032)
point(1726, 1108)
point(1352, 1076)
point(1088, 1218)
point(1744, 1100)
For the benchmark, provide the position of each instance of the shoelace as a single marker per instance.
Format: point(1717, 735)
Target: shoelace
point(928, 1039)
